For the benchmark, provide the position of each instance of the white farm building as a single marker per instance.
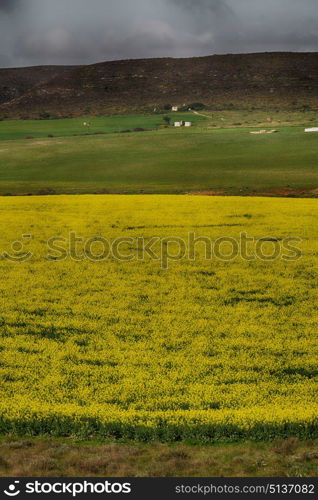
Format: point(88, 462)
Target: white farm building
point(313, 129)
point(182, 124)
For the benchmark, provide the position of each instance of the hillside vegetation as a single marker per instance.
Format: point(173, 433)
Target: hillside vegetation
point(264, 81)
point(15, 82)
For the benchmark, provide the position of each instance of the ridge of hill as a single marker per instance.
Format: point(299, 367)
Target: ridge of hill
point(276, 80)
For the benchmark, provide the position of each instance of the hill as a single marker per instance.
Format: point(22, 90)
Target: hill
point(15, 82)
point(246, 81)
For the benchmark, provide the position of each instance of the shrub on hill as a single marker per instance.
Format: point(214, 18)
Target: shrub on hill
point(197, 106)
point(45, 116)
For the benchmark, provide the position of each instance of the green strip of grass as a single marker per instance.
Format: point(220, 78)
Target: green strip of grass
point(230, 161)
point(90, 125)
point(195, 434)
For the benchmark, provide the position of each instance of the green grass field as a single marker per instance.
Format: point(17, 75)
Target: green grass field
point(11, 130)
point(228, 161)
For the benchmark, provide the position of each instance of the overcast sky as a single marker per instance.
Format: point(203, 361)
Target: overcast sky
point(36, 32)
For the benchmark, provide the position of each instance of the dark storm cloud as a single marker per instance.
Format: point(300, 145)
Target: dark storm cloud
point(252, 25)
point(61, 45)
point(79, 32)
point(207, 15)
point(214, 6)
point(8, 5)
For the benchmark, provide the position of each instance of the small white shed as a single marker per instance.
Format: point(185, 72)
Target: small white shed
point(175, 108)
point(183, 124)
point(313, 129)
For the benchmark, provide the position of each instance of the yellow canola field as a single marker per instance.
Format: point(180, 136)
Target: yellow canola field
point(203, 348)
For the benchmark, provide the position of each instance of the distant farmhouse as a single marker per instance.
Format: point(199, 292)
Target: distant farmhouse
point(313, 129)
point(183, 124)
point(175, 108)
